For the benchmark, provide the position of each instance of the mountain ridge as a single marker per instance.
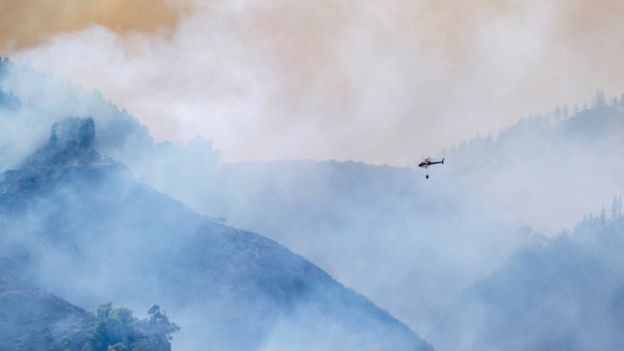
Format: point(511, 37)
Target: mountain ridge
point(96, 224)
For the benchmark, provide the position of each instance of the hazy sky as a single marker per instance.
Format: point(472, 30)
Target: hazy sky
point(368, 80)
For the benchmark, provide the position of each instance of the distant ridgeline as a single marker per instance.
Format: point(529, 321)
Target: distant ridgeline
point(566, 294)
point(565, 164)
point(600, 114)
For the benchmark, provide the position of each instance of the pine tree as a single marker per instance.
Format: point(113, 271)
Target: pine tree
point(613, 102)
point(599, 100)
point(614, 209)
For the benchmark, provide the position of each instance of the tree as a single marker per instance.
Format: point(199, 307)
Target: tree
point(600, 99)
point(113, 328)
point(158, 323)
point(116, 329)
point(616, 208)
point(613, 102)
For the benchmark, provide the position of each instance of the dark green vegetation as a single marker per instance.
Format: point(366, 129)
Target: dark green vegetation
point(119, 330)
point(32, 319)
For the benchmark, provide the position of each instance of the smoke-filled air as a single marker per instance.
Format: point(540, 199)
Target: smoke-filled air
point(327, 175)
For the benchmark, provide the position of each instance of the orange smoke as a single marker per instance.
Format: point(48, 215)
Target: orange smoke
point(24, 23)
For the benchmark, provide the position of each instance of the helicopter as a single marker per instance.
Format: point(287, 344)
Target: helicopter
point(428, 162)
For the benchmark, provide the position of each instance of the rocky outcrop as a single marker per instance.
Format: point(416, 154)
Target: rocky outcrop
point(70, 144)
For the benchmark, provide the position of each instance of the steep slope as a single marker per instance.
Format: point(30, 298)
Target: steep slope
point(375, 228)
point(566, 294)
point(492, 197)
point(32, 319)
point(86, 230)
point(562, 166)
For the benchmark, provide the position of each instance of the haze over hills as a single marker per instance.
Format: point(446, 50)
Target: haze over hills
point(419, 248)
point(494, 196)
point(566, 294)
point(383, 228)
point(78, 224)
point(29, 319)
